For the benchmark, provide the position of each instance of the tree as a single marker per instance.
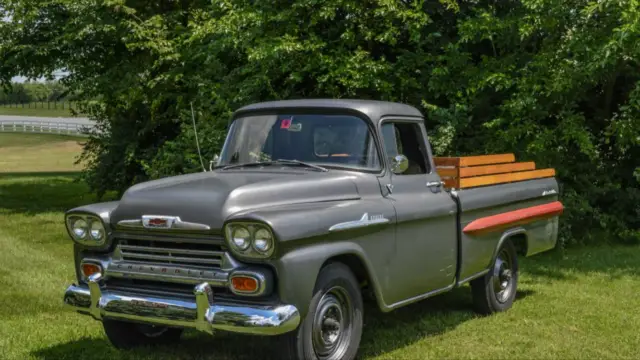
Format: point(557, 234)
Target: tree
point(555, 82)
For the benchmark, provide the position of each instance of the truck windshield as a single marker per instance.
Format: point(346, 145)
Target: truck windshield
point(326, 140)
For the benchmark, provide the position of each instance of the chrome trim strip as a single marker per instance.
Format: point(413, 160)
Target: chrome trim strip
point(472, 277)
point(364, 221)
point(171, 223)
point(168, 237)
point(170, 250)
point(145, 272)
point(203, 313)
point(420, 297)
point(180, 274)
point(130, 223)
point(169, 258)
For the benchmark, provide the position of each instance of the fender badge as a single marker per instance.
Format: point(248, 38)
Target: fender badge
point(549, 192)
point(365, 220)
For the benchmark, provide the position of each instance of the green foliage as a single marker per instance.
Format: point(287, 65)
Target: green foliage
point(20, 93)
point(553, 81)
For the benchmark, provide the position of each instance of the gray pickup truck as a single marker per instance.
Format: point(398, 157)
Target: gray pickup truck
point(310, 203)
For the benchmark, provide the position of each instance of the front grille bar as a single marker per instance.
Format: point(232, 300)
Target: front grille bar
point(169, 250)
point(170, 259)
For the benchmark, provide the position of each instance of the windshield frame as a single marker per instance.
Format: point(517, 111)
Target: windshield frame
point(380, 170)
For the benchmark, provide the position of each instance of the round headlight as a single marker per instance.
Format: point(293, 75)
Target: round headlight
point(241, 237)
point(80, 229)
point(263, 241)
point(97, 230)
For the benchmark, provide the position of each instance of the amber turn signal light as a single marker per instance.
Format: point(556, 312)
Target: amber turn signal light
point(244, 284)
point(89, 269)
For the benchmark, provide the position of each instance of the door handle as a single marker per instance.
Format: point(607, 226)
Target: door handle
point(435, 183)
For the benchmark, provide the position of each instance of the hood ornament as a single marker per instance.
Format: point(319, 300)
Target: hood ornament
point(162, 222)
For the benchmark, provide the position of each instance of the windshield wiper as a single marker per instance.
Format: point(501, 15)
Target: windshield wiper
point(302, 163)
point(279, 161)
point(259, 163)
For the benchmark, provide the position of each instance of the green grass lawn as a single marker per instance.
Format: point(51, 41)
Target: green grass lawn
point(38, 152)
point(38, 110)
point(581, 303)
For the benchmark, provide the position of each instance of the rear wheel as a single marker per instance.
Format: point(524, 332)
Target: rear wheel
point(125, 335)
point(496, 291)
point(333, 325)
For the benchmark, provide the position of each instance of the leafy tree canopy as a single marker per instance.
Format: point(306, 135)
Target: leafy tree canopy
point(553, 81)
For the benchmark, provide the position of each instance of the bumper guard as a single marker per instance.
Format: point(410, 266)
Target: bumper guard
point(203, 314)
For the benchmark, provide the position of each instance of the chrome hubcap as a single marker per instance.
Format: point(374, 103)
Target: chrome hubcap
point(332, 321)
point(503, 276)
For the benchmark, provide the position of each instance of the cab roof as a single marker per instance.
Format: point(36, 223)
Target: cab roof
point(374, 110)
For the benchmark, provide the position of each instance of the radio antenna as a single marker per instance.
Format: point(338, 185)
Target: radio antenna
point(195, 130)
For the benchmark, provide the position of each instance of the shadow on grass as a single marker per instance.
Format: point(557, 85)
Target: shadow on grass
point(33, 193)
point(383, 333)
point(611, 261)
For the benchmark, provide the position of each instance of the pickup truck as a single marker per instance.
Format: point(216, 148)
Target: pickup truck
point(309, 204)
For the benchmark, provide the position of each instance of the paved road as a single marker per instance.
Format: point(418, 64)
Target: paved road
point(70, 120)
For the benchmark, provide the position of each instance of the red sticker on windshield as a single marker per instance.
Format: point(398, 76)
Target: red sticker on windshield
point(285, 124)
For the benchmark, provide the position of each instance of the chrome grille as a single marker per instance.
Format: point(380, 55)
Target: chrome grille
point(166, 253)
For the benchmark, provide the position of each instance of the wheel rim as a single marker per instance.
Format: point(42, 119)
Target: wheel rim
point(152, 331)
point(332, 323)
point(503, 276)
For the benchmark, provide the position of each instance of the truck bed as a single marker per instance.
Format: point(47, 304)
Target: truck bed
point(499, 198)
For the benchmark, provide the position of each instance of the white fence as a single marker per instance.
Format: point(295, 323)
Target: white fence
point(30, 126)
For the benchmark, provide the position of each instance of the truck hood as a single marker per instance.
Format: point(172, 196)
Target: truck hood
point(210, 198)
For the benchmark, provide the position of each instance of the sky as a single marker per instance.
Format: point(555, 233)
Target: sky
point(57, 74)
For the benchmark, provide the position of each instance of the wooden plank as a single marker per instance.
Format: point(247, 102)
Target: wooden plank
point(505, 178)
point(446, 161)
point(450, 183)
point(495, 169)
point(447, 172)
point(487, 159)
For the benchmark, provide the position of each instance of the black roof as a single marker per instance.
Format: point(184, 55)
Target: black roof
point(371, 108)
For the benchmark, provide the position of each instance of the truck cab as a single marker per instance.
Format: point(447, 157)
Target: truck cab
point(309, 203)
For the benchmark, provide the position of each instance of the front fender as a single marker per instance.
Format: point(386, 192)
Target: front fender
point(103, 210)
point(298, 270)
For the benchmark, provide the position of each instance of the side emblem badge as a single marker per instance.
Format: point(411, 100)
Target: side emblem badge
point(364, 221)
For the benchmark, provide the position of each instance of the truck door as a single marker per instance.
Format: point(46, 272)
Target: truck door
point(426, 230)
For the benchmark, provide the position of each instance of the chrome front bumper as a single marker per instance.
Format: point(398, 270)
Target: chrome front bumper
point(203, 314)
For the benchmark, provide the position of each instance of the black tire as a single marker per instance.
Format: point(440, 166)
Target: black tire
point(490, 293)
point(126, 335)
point(336, 286)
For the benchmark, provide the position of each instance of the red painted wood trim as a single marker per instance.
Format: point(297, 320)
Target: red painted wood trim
point(513, 218)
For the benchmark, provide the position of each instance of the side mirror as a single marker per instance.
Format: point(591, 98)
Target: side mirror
point(399, 164)
point(214, 162)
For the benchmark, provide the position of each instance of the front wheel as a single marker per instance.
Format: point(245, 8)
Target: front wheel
point(125, 335)
point(333, 325)
point(496, 291)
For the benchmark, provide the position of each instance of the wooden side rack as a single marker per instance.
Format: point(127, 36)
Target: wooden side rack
point(473, 171)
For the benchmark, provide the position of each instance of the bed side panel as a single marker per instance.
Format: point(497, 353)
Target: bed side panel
point(477, 250)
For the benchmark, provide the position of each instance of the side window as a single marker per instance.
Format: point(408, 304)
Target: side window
point(406, 139)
